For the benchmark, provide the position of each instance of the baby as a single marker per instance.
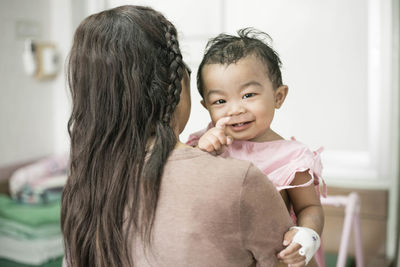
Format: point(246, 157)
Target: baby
point(240, 82)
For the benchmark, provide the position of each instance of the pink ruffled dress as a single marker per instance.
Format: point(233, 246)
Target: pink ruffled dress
point(280, 160)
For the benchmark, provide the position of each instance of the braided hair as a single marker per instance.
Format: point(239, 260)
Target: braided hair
point(124, 72)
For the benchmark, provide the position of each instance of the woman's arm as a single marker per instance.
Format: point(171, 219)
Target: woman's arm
point(264, 218)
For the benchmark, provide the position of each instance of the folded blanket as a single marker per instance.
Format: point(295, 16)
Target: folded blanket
point(23, 231)
point(29, 234)
point(31, 215)
point(52, 263)
point(34, 252)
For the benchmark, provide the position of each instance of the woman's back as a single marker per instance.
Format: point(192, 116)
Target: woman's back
point(214, 212)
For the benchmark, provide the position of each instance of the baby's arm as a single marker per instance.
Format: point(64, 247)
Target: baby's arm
point(306, 203)
point(309, 213)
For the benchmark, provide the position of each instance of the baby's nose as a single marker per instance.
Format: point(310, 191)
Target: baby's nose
point(236, 109)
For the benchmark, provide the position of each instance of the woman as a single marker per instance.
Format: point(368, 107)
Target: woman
point(136, 195)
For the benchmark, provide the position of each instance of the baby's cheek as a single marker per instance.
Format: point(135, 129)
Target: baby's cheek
point(214, 120)
point(215, 116)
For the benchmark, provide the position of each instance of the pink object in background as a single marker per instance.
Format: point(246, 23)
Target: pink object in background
point(351, 220)
point(40, 181)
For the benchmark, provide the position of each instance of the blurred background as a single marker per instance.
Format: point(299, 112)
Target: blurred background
point(340, 59)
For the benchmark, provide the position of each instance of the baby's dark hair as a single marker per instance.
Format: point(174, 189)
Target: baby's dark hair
point(227, 49)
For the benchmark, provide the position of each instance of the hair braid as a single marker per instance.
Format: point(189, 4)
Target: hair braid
point(175, 72)
point(165, 139)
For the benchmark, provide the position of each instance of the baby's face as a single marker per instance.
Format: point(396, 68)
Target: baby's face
point(244, 92)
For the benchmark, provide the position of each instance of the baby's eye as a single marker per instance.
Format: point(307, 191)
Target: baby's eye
point(248, 95)
point(219, 102)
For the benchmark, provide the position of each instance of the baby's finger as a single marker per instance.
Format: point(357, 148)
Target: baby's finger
point(293, 256)
point(295, 264)
point(298, 264)
point(207, 147)
point(206, 143)
point(220, 151)
point(292, 248)
point(215, 142)
point(293, 259)
point(221, 123)
point(289, 236)
point(223, 139)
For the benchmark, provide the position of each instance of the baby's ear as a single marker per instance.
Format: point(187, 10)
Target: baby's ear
point(280, 95)
point(203, 104)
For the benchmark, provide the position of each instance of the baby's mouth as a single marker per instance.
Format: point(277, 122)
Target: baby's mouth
point(236, 122)
point(240, 124)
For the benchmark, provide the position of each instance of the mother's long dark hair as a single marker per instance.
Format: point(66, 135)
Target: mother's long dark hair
point(124, 74)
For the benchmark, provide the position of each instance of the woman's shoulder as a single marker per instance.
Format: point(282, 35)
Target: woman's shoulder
point(200, 157)
point(195, 154)
point(212, 177)
point(206, 165)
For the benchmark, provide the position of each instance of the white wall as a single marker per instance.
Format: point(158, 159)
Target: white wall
point(62, 21)
point(34, 114)
point(26, 105)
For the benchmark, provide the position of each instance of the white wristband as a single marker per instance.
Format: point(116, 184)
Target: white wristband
point(309, 241)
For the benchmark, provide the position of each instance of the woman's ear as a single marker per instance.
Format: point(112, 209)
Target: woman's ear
point(280, 95)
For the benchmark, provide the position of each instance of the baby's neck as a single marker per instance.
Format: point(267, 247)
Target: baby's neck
point(268, 136)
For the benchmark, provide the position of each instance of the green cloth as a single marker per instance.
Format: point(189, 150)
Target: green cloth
point(53, 263)
point(23, 231)
point(32, 215)
point(331, 260)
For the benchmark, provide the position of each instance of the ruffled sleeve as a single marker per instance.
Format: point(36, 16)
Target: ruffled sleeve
point(280, 160)
point(300, 159)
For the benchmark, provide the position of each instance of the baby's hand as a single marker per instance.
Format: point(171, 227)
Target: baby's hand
point(290, 255)
point(304, 242)
point(215, 139)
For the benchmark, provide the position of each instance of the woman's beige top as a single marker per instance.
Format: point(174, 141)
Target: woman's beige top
point(214, 212)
